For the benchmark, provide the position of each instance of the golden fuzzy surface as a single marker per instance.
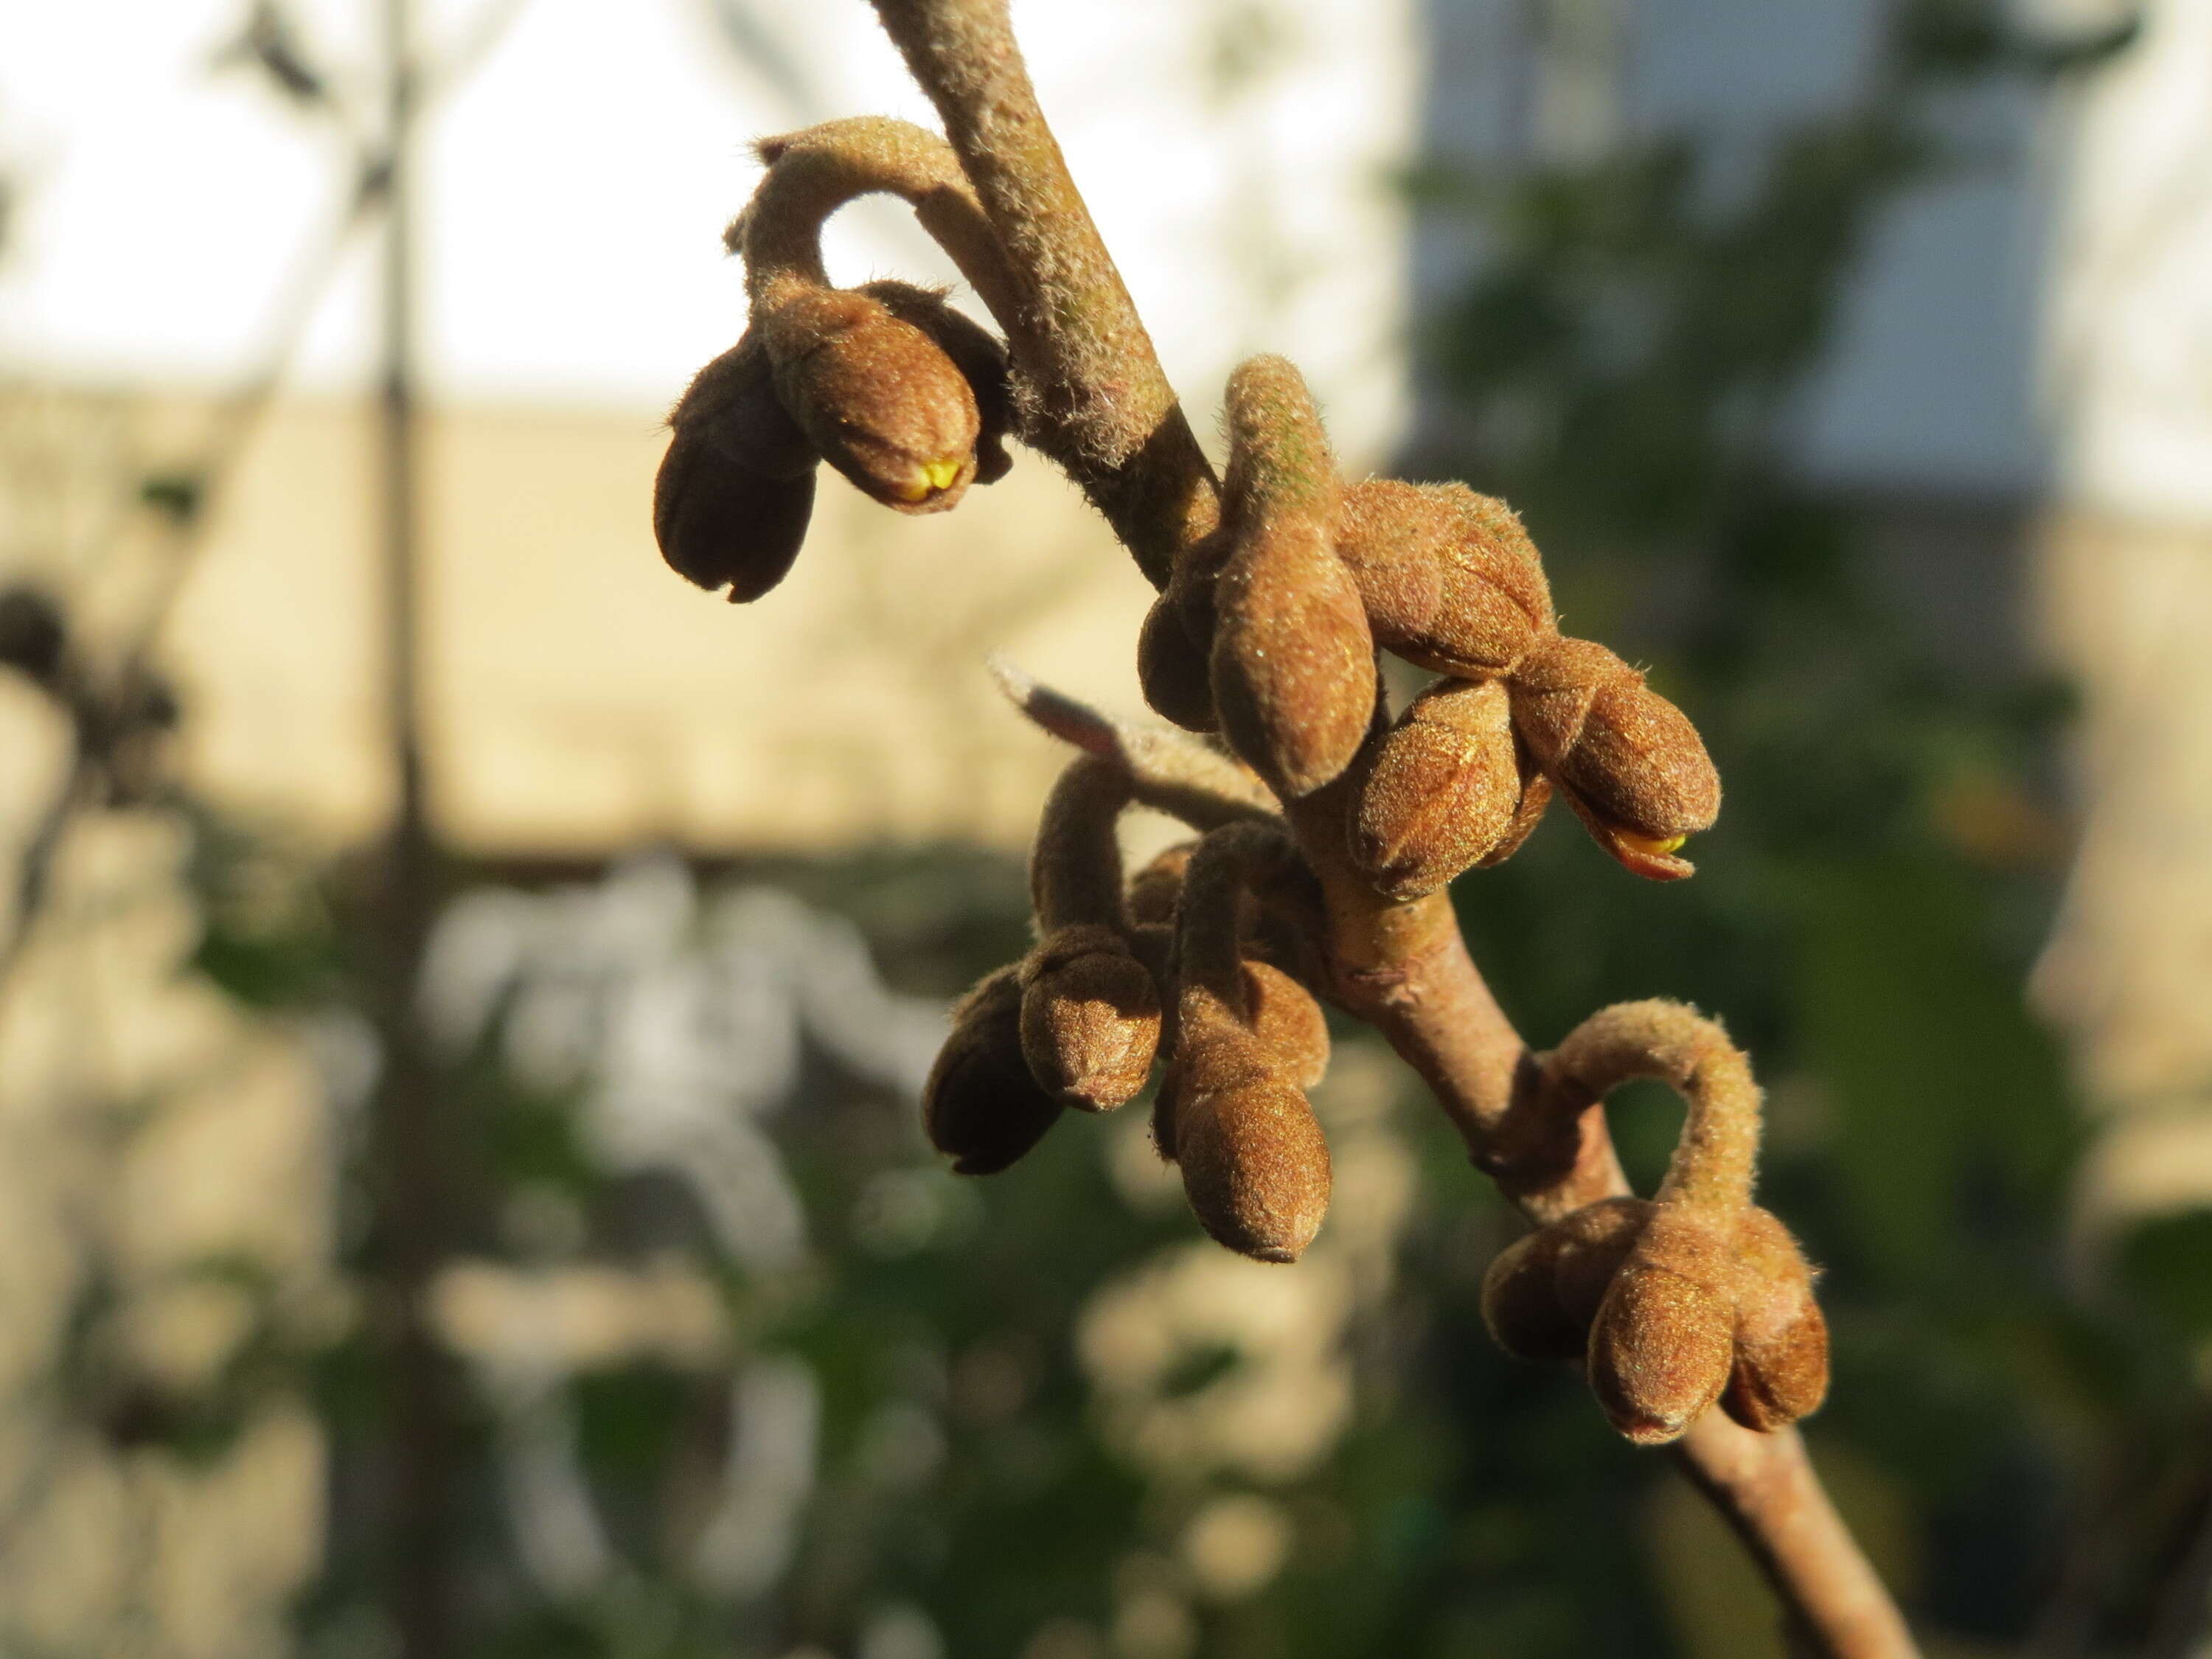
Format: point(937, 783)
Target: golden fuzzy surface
point(1090, 1018)
point(1441, 790)
point(877, 397)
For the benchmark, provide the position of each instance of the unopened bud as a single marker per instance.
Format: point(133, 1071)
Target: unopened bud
point(1781, 1370)
point(1254, 1161)
point(1663, 1340)
point(981, 1106)
point(1089, 1018)
point(975, 352)
point(735, 490)
point(1173, 671)
point(1441, 792)
point(1628, 760)
point(1288, 1022)
point(1450, 580)
point(877, 397)
point(1543, 1291)
point(1293, 661)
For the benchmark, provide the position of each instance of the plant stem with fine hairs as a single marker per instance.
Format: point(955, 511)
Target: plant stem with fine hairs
point(1100, 405)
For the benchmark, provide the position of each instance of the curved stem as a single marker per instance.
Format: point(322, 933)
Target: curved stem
point(1103, 408)
point(811, 174)
point(1075, 867)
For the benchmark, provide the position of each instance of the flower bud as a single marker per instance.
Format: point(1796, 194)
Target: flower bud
point(877, 397)
point(1155, 890)
point(1288, 1022)
point(1292, 661)
point(981, 1106)
point(1293, 665)
point(735, 490)
point(1254, 1164)
point(1535, 796)
point(1089, 1018)
point(1629, 761)
point(1450, 580)
point(1543, 1291)
point(1781, 1369)
point(1663, 1340)
point(1172, 670)
point(975, 352)
point(1441, 792)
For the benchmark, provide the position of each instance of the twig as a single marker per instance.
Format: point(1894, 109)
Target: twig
point(1105, 412)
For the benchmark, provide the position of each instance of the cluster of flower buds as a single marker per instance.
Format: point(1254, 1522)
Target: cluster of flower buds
point(1266, 632)
point(889, 384)
point(1694, 1297)
point(1080, 1021)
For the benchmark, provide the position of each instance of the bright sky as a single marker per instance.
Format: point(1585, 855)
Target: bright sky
point(578, 180)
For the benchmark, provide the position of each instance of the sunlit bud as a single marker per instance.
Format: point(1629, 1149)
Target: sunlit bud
point(1664, 1337)
point(975, 352)
point(1288, 1022)
point(1254, 1161)
point(1442, 789)
point(1089, 1018)
point(1535, 796)
point(1781, 1370)
point(734, 491)
point(877, 397)
point(1293, 662)
point(1629, 761)
point(981, 1106)
point(1450, 580)
point(1542, 1292)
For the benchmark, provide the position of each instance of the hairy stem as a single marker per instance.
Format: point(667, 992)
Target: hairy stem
point(1103, 407)
point(811, 174)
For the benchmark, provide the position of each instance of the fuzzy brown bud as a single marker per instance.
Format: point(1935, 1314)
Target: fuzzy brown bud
point(1629, 761)
point(734, 492)
point(975, 352)
point(1155, 890)
point(1288, 1022)
point(877, 397)
point(1441, 792)
point(1173, 670)
point(1254, 1164)
point(1542, 1292)
point(1781, 1369)
point(1089, 1018)
point(1290, 1026)
point(1663, 1341)
point(1292, 662)
point(981, 1106)
point(1450, 579)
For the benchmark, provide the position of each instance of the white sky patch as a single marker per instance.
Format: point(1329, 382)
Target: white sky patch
point(574, 189)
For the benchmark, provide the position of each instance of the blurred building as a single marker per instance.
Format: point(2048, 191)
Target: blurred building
point(572, 278)
point(2126, 585)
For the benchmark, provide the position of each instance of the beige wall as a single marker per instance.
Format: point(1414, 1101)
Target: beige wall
point(582, 697)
